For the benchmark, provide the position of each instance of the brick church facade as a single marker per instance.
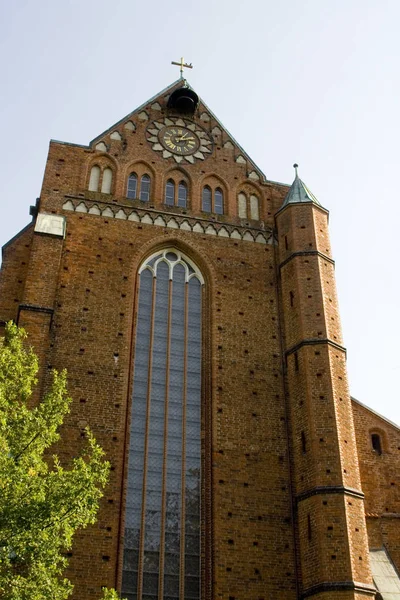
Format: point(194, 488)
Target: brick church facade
point(193, 303)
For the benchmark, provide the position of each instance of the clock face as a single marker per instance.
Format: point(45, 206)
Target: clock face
point(180, 139)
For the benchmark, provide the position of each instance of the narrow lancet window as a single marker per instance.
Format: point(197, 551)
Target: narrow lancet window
point(206, 199)
point(170, 193)
point(131, 192)
point(219, 202)
point(182, 194)
point(145, 188)
point(162, 524)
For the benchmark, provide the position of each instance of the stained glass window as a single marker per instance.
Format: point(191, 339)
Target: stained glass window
point(162, 529)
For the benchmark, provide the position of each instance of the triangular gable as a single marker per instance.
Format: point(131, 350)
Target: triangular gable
point(256, 174)
point(168, 90)
point(376, 414)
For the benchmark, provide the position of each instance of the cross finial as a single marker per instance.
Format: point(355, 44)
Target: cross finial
point(182, 64)
point(295, 168)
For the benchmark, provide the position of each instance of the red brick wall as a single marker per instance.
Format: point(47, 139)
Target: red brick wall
point(13, 275)
point(88, 284)
point(380, 479)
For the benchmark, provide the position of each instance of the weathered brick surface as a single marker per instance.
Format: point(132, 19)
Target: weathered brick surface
point(16, 256)
point(380, 479)
point(277, 419)
point(326, 480)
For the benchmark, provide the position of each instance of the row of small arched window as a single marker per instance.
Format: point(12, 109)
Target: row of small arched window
point(212, 200)
point(176, 195)
point(140, 189)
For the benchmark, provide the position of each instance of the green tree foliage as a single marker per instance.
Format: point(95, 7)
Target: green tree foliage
point(42, 503)
point(110, 595)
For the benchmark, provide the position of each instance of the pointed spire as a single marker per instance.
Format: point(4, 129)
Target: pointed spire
point(299, 192)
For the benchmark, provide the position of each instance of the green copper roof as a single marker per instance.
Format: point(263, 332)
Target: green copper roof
point(299, 192)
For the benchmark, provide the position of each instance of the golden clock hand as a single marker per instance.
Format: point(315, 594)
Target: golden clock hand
point(185, 139)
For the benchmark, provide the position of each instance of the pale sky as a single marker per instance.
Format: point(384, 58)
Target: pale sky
point(308, 81)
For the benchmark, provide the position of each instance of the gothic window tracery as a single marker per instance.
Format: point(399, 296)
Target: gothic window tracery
point(162, 524)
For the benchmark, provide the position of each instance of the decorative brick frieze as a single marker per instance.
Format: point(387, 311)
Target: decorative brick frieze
point(149, 216)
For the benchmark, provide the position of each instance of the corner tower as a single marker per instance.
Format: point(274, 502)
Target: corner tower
point(330, 530)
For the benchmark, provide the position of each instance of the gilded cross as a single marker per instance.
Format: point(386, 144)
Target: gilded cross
point(182, 64)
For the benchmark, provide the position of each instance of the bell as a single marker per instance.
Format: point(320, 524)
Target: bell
point(183, 100)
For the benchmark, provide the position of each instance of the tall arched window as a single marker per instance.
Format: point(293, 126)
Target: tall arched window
point(206, 199)
point(182, 194)
point(219, 202)
point(131, 191)
point(170, 192)
point(145, 188)
point(162, 524)
point(106, 181)
point(94, 179)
